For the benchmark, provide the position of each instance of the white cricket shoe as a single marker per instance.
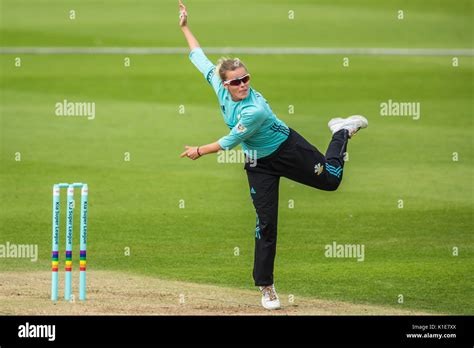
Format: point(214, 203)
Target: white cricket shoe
point(352, 124)
point(270, 298)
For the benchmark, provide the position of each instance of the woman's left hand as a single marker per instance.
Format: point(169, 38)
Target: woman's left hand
point(183, 14)
point(191, 152)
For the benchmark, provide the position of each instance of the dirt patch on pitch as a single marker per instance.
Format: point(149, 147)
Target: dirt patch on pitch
point(113, 293)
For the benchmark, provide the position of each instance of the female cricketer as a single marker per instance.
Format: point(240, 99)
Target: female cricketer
point(272, 150)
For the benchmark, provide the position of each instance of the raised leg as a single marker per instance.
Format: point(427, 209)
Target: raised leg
point(303, 163)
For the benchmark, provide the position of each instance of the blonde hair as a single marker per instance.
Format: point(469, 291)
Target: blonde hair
point(225, 64)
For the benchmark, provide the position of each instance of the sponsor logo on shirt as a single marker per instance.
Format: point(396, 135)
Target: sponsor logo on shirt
point(241, 128)
point(318, 169)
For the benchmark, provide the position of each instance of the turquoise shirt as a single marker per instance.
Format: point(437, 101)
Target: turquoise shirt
point(251, 121)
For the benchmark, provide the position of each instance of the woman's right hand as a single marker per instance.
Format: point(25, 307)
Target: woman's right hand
point(183, 15)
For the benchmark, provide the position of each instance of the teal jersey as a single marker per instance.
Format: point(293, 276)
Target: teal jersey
point(251, 121)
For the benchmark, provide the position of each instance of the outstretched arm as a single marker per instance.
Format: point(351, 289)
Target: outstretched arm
point(197, 56)
point(183, 23)
point(251, 120)
point(207, 68)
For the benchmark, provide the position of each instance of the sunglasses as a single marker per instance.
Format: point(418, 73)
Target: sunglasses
point(238, 81)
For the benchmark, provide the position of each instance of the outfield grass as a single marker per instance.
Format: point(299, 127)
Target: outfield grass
point(135, 204)
point(326, 23)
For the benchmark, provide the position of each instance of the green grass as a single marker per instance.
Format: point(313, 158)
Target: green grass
point(328, 23)
point(135, 204)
